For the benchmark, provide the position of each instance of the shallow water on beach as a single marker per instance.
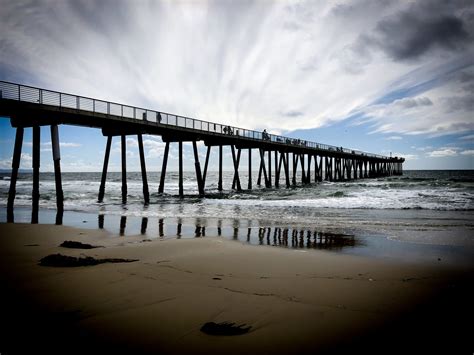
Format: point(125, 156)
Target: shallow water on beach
point(420, 215)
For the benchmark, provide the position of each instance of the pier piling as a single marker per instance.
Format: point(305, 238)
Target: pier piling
point(14, 175)
point(57, 174)
point(104, 169)
point(180, 168)
point(236, 168)
point(206, 164)
point(250, 169)
point(197, 167)
point(146, 193)
point(163, 168)
point(36, 167)
point(219, 182)
point(124, 168)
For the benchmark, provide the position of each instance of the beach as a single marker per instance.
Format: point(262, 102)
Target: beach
point(296, 301)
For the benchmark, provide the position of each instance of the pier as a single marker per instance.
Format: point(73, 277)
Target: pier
point(281, 158)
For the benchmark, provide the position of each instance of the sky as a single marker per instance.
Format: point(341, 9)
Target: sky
point(386, 77)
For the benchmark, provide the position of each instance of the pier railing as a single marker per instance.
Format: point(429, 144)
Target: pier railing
point(25, 93)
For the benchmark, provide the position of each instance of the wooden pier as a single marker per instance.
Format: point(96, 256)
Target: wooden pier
point(28, 106)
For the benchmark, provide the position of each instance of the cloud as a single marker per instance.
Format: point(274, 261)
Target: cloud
point(47, 145)
point(294, 113)
point(6, 163)
point(406, 156)
point(468, 137)
point(410, 34)
point(411, 102)
point(250, 64)
point(69, 145)
point(443, 152)
point(393, 138)
point(467, 152)
point(26, 161)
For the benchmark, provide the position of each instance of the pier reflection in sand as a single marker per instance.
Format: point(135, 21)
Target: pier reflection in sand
point(288, 237)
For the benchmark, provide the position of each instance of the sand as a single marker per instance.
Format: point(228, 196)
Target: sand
point(296, 301)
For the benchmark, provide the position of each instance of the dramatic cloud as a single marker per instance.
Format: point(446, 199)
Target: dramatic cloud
point(410, 35)
point(402, 67)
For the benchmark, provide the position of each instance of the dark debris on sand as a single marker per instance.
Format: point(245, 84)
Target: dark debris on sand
point(60, 260)
point(224, 328)
point(77, 245)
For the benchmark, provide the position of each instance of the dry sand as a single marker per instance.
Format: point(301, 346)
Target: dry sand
point(296, 301)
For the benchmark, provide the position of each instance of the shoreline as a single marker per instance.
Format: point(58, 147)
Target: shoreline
point(419, 242)
point(296, 302)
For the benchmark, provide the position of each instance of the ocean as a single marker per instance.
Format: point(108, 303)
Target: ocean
point(420, 216)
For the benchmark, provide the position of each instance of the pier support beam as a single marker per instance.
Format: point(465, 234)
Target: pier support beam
point(236, 168)
point(287, 168)
point(269, 181)
point(36, 167)
point(197, 167)
point(328, 175)
point(263, 168)
point(104, 170)
point(146, 193)
point(320, 168)
point(250, 169)
point(295, 166)
point(163, 168)
point(219, 182)
point(236, 176)
point(124, 168)
point(303, 173)
point(308, 171)
point(57, 174)
point(206, 164)
point(277, 170)
point(180, 168)
point(337, 169)
point(14, 175)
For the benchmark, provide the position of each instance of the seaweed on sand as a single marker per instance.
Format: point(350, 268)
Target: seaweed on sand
point(60, 260)
point(77, 245)
point(224, 328)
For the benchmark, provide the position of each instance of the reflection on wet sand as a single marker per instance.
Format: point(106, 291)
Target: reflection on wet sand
point(123, 224)
point(288, 237)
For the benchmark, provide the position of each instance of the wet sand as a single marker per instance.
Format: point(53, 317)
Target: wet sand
point(296, 301)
